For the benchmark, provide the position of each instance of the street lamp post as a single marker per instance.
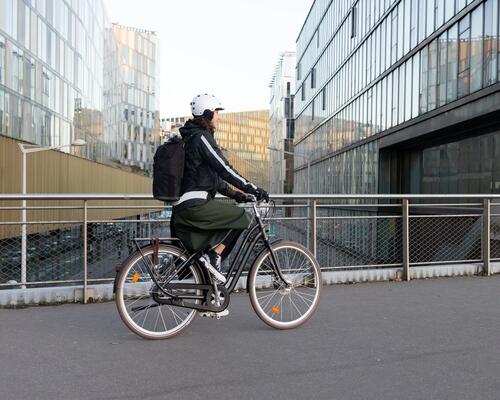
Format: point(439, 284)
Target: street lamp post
point(26, 149)
point(308, 159)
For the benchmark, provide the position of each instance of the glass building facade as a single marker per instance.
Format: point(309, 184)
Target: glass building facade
point(131, 93)
point(390, 94)
point(66, 74)
point(281, 124)
point(243, 138)
point(51, 72)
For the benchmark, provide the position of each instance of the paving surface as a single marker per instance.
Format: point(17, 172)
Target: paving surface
point(434, 339)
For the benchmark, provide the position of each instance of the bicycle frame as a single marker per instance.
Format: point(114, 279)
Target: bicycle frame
point(251, 238)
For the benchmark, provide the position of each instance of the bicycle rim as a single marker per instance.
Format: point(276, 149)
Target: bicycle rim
point(134, 294)
point(280, 307)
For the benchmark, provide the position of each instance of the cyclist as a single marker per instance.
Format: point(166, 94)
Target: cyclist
point(200, 222)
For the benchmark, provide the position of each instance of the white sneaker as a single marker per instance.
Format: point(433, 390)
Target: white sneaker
point(212, 314)
point(205, 261)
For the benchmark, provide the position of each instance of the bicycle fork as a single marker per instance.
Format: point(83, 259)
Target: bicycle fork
point(275, 263)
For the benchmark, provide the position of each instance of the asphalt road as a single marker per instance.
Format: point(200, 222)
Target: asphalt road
point(434, 339)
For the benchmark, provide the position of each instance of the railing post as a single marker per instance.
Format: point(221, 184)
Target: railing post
point(85, 252)
point(313, 227)
point(406, 242)
point(485, 240)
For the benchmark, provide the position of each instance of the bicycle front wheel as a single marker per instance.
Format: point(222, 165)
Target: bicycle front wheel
point(279, 306)
point(137, 295)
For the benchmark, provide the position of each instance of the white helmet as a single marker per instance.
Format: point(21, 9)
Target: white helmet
point(204, 102)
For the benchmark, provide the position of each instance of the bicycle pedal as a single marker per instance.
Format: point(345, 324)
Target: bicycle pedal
point(212, 314)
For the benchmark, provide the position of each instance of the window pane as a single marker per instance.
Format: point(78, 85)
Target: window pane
point(464, 57)
point(408, 96)
point(449, 9)
point(395, 94)
point(430, 16)
point(401, 29)
point(2, 60)
point(422, 12)
point(432, 75)
point(394, 35)
point(423, 79)
point(406, 26)
point(451, 76)
point(476, 66)
point(442, 67)
point(439, 13)
point(415, 85)
point(389, 102)
point(490, 42)
point(413, 23)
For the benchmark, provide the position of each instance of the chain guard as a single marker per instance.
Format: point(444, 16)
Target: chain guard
point(177, 301)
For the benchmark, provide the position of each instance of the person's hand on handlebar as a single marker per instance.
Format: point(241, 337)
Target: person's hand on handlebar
point(244, 198)
point(261, 195)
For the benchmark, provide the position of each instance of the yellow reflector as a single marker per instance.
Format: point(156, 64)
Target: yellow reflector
point(275, 310)
point(135, 278)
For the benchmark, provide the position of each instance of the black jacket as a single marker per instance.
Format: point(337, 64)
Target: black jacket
point(205, 167)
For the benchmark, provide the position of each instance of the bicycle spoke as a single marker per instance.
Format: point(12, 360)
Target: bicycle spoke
point(162, 319)
point(136, 300)
point(289, 303)
point(308, 302)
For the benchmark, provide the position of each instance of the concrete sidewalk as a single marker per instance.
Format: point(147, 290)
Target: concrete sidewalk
point(427, 339)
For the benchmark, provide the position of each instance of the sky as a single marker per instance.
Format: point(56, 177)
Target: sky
point(227, 48)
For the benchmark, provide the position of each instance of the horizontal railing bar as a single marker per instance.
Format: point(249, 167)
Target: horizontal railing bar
point(42, 208)
point(357, 205)
point(287, 219)
point(416, 264)
point(40, 222)
point(448, 205)
point(287, 205)
point(168, 207)
point(97, 221)
point(153, 237)
point(362, 266)
point(127, 207)
point(362, 217)
point(57, 282)
point(145, 196)
point(43, 282)
point(81, 208)
point(127, 221)
point(446, 216)
point(130, 221)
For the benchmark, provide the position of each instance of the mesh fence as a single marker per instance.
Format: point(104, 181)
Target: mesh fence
point(346, 239)
point(495, 237)
point(434, 239)
point(10, 259)
point(348, 242)
point(110, 243)
point(53, 253)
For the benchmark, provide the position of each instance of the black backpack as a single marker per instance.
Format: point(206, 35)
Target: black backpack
point(168, 169)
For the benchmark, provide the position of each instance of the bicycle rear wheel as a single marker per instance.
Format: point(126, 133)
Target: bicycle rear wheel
point(136, 292)
point(276, 305)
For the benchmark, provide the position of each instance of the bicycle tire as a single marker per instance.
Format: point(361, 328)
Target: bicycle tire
point(262, 278)
point(140, 281)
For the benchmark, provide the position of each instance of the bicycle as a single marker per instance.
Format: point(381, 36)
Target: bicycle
point(160, 287)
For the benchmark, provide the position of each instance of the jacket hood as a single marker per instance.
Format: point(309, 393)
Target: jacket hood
point(189, 129)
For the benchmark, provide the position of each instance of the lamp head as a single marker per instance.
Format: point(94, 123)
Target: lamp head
point(79, 142)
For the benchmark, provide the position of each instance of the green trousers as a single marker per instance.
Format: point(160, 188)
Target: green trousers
point(205, 227)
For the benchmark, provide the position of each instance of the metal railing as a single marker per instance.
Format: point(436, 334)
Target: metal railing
point(81, 238)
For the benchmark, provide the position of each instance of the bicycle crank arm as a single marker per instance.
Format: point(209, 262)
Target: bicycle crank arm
point(199, 307)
